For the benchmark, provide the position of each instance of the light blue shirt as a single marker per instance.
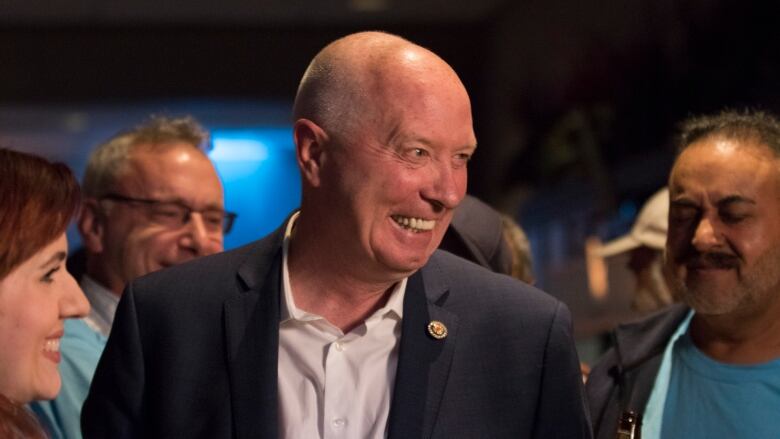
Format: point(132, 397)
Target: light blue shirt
point(654, 410)
point(714, 400)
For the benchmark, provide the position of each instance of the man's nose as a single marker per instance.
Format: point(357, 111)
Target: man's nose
point(447, 187)
point(705, 237)
point(198, 237)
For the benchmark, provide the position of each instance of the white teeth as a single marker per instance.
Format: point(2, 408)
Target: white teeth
point(414, 224)
point(52, 345)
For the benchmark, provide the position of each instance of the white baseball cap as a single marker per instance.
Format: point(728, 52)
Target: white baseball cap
point(649, 228)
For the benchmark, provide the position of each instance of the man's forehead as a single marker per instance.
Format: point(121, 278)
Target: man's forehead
point(181, 171)
point(725, 173)
point(721, 155)
point(158, 159)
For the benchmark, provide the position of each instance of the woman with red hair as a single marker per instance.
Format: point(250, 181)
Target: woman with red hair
point(37, 201)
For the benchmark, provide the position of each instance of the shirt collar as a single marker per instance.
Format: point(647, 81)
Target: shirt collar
point(103, 303)
point(393, 307)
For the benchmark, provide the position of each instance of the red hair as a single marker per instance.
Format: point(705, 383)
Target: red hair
point(17, 422)
point(37, 201)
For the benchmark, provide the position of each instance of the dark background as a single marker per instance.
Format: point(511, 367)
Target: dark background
point(548, 79)
point(575, 103)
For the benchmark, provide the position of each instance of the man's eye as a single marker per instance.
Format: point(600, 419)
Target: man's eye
point(214, 219)
point(463, 157)
point(167, 212)
point(732, 217)
point(415, 153)
point(682, 214)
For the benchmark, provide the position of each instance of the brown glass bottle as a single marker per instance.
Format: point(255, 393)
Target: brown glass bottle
point(629, 426)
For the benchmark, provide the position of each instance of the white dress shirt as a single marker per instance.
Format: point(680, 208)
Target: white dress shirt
point(102, 303)
point(331, 384)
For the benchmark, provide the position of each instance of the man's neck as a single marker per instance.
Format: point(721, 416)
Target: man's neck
point(102, 277)
point(747, 337)
point(325, 285)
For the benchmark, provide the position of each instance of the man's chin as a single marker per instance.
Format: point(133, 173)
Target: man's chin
point(712, 302)
point(169, 264)
point(403, 267)
point(158, 266)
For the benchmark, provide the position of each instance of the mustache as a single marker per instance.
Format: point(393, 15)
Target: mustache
point(715, 260)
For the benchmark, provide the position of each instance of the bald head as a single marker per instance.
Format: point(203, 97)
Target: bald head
point(383, 132)
point(350, 74)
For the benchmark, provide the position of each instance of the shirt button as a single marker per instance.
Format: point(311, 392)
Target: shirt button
point(338, 422)
point(339, 346)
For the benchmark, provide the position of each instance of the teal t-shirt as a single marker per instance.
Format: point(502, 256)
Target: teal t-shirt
point(713, 400)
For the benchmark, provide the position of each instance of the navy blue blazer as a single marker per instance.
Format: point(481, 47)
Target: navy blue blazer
point(193, 353)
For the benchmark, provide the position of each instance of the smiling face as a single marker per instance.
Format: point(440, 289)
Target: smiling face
point(129, 242)
point(724, 226)
point(389, 184)
point(35, 299)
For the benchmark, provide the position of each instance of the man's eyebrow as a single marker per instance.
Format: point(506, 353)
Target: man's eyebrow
point(55, 258)
point(182, 202)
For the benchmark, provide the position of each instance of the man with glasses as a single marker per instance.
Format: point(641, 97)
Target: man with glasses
point(152, 200)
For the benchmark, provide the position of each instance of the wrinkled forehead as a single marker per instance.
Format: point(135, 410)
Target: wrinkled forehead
point(707, 152)
point(723, 167)
point(434, 91)
point(179, 172)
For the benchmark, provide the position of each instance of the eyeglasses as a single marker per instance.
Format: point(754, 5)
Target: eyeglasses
point(175, 214)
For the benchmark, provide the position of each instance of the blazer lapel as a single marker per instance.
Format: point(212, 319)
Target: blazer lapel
point(423, 361)
point(252, 342)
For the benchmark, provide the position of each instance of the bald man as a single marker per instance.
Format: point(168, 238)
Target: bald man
point(346, 321)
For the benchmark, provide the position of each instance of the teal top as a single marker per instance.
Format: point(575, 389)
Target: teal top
point(714, 400)
point(654, 410)
point(80, 349)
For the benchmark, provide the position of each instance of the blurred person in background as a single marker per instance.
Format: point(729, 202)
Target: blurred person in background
point(37, 294)
point(709, 367)
point(152, 199)
point(489, 238)
point(521, 265)
point(645, 244)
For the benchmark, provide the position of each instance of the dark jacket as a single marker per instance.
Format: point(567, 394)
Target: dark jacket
point(193, 353)
point(624, 377)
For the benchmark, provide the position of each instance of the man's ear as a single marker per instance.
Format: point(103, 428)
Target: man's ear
point(91, 225)
point(310, 140)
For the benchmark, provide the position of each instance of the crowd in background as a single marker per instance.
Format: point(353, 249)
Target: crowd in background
point(705, 254)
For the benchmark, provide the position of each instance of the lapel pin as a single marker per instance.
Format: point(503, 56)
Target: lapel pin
point(437, 329)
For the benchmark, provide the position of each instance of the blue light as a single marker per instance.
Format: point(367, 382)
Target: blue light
point(627, 210)
point(260, 174)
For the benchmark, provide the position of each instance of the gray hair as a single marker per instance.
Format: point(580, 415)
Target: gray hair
point(158, 132)
point(760, 126)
